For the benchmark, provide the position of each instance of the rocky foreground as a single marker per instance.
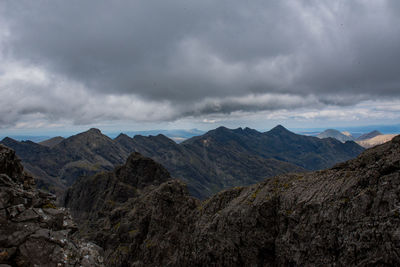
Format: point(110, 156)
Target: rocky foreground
point(348, 215)
point(33, 232)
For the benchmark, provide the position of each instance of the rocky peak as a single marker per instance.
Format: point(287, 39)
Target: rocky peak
point(10, 164)
point(7, 141)
point(33, 231)
point(91, 134)
point(140, 171)
point(250, 131)
point(94, 131)
point(122, 136)
point(279, 130)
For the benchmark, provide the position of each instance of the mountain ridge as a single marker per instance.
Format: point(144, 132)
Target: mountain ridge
point(335, 134)
point(221, 158)
point(368, 135)
point(317, 218)
point(217, 157)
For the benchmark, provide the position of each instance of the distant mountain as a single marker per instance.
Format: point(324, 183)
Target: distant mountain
point(59, 166)
point(223, 158)
point(208, 166)
point(176, 135)
point(377, 140)
point(336, 134)
point(52, 141)
point(368, 135)
point(346, 133)
point(219, 159)
point(33, 138)
point(344, 216)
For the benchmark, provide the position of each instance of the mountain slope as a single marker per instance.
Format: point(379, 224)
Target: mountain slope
point(377, 140)
point(368, 135)
point(52, 141)
point(219, 159)
point(40, 161)
point(347, 215)
point(335, 134)
point(224, 158)
point(59, 166)
point(208, 168)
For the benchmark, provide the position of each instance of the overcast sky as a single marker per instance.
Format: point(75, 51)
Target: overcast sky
point(149, 64)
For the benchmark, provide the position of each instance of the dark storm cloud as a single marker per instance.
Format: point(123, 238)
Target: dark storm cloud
point(205, 57)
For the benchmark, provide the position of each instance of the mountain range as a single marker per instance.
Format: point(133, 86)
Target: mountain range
point(347, 215)
point(57, 167)
point(366, 140)
point(138, 215)
point(219, 159)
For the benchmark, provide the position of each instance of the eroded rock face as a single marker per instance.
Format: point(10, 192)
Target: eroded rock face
point(348, 216)
point(33, 232)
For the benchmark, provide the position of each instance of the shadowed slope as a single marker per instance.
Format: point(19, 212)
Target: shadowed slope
point(347, 215)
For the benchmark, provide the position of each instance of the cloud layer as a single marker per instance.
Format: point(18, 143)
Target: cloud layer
point(154, 60)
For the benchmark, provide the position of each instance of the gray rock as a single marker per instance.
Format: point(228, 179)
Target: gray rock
point(348, 215)
point(32, 228)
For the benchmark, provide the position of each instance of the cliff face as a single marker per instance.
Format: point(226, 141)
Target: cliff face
point(347, 215)
point(33, 232)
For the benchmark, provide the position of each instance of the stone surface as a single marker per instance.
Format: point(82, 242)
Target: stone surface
point(348, 215)
point(33, 231)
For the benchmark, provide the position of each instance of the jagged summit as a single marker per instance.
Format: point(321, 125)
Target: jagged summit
point(10, 164)
point(8, 140)
point(94, 131)
point(221, 130)
point(118, 185)
point(140, 171)
point(122, 136)
point(279, 129)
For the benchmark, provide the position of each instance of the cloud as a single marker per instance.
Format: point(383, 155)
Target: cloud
point(165, 60)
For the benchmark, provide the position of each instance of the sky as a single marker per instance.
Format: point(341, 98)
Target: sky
point(181, 64)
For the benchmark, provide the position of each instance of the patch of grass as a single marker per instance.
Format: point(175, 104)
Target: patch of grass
point(133, 232)
point(255, 193)
point(123, 249)
point(149, 244)
point(117, 226)
point(49, 206)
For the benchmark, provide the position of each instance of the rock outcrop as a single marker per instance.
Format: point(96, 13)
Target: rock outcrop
point(33, 231)
point(348, 215)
